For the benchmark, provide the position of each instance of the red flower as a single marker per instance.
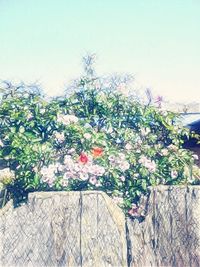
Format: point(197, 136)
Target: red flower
point(83, 158)
point(97, 151)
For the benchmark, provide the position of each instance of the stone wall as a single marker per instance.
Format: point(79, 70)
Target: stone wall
point(88, 229)
point(170, 234)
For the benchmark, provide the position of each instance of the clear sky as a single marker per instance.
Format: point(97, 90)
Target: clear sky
point(156, 40)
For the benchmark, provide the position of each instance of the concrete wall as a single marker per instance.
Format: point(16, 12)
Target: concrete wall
point(88, 229)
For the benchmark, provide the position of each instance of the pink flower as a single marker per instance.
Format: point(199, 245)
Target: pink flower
point(87, 136)
point(133, 212)
point(159, 100)
point(83, 158)
point(128, 146)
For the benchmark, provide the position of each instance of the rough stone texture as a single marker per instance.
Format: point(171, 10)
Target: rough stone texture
point(170, 234)
point(88, 229)
point(63, 229)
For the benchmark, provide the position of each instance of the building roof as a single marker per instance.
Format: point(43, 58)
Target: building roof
point(191, 121)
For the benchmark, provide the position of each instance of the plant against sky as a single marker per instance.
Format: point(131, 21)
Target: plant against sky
point(91, 139)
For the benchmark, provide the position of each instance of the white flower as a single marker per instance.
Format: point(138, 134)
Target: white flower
point(1, 143)
point(67, 119)
point(87, 125)
point(128, 146)
point(174, 174)
point(35, 169)
point(21, 129)
point(87, 136)
point(122, 178)
point(124, 165)
point(145, 131)
point(93, 180)
point(118, 141)
point(29, 116)
point(112, 158)
point(142, 159)
point(26, 95)
point(68, 160)
point(71, 151)
point(164, 152)
point(69, 175)
point(110, 130)
point(73, 119)
point(50, 178)
point(64, 183)
point(97, 170)
point(48, 174)
point(6, 175)
point(195, 156)
point(45, 179)
point(77, 167)
point(83, 176)
point(139, 142)
point(151, 166)
point(44, 147)
point(60, 136)
point(51, 181)
point(121, 156)
point(85, 168)
point(98, 184)
point(173, 147)
point(59, 166)
point(147, 163)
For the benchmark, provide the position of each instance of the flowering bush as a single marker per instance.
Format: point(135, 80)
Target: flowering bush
point(92, 140)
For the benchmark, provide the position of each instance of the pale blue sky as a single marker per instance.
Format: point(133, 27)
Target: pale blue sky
point(156, 40)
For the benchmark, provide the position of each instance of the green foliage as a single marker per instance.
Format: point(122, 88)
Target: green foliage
point(92, 140)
